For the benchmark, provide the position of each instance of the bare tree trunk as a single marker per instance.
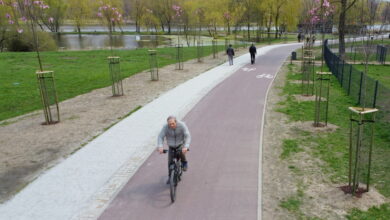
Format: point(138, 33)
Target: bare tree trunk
point(249, 27)
point(342, 29)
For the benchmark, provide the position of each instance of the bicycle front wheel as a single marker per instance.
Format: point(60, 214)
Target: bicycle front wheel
point(172, 184)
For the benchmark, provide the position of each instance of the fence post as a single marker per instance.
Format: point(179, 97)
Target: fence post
point(350, 79)
point(342, 74)
point(375, 93)
point(377, 52)
point(360, 87)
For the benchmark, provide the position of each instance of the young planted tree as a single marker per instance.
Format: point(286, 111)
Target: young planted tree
point(28, 14)
point(320, 14)
point(111, 17)
point(371, 15)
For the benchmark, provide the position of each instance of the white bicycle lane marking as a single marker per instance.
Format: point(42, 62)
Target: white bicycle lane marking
point(265, 75)
point(245, 69)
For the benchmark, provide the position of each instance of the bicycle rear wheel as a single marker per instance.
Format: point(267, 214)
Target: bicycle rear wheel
point(172, 184)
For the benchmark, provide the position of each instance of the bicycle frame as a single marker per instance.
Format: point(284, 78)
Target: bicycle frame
point(175, 172)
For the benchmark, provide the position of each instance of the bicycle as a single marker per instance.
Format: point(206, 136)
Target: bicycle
point(175, 172)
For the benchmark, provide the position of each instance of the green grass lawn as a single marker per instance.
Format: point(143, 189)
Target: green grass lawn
point(332, 148)
point(378, 72)
point(76, 72)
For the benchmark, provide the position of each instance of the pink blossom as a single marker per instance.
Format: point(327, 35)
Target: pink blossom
point(19, 30)
point(51, 20)
point(226, 15)
point(11, 22)
point(99, 14)
point(23, 19)
point(1, 2)
point(8, 16)
point(326, 4)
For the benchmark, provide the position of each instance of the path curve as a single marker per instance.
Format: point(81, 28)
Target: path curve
point(223, 179)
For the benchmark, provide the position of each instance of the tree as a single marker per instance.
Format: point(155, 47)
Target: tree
point(213, 17)
point(5, 21)
point(137, 12)
point(345, 5)
point(79, 11)
point(163, 9)
point(29, 12)
point(111, 17)
point(54, 16)
point(385, 15)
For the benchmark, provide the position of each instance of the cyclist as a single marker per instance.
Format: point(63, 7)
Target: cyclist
point(177, 135)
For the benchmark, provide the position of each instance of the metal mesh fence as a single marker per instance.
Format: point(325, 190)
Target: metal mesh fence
point(381, 53)
point(364, 90)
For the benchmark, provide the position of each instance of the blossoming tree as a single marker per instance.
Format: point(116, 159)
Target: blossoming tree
point(320, 14)
point(28, 14)
point(111, 17)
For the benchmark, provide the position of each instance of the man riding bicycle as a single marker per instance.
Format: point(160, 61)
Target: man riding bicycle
point(177, 135)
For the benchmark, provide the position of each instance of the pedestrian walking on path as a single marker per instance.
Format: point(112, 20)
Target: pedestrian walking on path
point(177, 135)
point(230, 53)
point(253, 52)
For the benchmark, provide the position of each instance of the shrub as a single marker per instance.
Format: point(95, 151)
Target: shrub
point(24, 42)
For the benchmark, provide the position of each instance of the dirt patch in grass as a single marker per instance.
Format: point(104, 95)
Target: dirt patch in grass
point(27, 148)
point(309, 126)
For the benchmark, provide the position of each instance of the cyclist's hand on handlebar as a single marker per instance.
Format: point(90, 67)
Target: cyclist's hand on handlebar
point(160, 150)
point(184, 150)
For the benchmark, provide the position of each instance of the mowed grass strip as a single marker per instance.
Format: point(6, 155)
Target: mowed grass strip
point(76, 73)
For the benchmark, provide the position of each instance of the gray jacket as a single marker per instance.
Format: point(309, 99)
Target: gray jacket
point(175, 137)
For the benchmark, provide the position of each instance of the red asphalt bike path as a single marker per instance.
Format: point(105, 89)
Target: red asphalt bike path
point(222, 181)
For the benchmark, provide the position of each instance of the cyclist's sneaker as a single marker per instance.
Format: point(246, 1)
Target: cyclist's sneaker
point(185, 166)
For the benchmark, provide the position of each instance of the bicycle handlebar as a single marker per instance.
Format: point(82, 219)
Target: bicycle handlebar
point(165, 151)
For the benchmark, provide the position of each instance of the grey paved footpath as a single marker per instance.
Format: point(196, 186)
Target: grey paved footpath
point(222, 180)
